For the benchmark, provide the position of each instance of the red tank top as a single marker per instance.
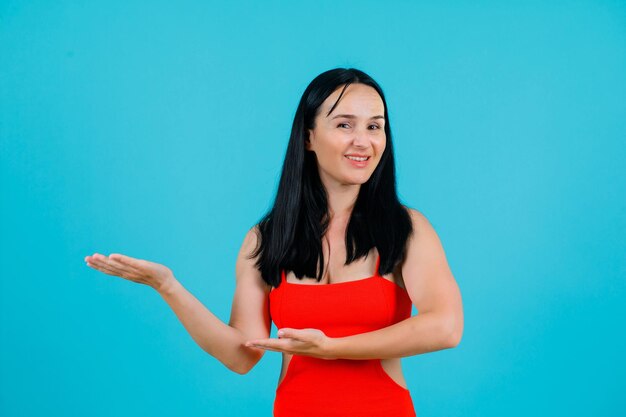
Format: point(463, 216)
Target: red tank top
point(340, 387)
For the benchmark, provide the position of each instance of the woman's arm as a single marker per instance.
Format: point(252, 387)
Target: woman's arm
point(434, 292)
point(432, 289)
point(249, 314)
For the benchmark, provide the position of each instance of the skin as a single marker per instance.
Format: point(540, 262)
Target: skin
point(424, 273)
point(352, 128)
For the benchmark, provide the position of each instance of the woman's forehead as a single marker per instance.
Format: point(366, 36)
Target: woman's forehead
point(359, 97)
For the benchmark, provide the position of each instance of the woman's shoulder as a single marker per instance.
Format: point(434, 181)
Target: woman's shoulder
point(418, 219)
point(251, 241)
point(424, 237)
point(254, 232)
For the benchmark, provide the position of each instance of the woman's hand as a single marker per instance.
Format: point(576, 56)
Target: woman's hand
point(141, 271)
point(307, 342)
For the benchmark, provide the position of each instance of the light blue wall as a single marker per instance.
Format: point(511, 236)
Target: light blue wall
point(158, 129)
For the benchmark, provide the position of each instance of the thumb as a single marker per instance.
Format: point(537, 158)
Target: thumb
point(286, 332)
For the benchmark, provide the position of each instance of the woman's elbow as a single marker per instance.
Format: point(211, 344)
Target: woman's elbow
point(238, 367)
point(242, 367)
point(454, 339)
point(454, 332)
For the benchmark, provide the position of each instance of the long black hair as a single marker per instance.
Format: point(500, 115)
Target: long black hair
point(291, 232)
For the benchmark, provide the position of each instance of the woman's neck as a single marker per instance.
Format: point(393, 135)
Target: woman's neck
point(341, 201)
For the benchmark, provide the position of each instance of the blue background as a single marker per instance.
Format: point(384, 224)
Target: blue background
point(158, 130)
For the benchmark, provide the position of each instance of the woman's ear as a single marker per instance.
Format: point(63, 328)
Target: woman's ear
point(307, 141)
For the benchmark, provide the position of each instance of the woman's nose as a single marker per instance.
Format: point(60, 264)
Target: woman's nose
point(360, 138)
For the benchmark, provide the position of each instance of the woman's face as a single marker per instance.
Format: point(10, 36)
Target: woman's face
point(352, 132)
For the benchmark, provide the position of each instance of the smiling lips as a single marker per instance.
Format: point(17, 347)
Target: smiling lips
point(358, 161)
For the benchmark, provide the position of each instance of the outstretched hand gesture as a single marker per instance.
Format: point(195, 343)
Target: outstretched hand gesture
point(309, 342)
point(141, 271)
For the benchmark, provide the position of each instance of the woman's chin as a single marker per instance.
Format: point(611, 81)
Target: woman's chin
point(348, 179)
point(355, 180)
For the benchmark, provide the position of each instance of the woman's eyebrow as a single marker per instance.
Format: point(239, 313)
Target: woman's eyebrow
point(352, 116)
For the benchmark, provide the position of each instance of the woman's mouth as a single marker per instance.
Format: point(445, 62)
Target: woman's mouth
point(357, 161)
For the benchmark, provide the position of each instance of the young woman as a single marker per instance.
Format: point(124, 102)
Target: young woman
point(337, 264)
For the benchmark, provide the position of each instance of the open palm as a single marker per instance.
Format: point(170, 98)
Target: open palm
point(137, 270)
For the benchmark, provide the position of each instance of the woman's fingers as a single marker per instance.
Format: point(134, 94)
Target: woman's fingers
point(121, 266)
point(141, 268)
point(136, 270)
point(102, 267)
point(142, 271)
point(109, 266)
point(120, 261)
point(126, 260)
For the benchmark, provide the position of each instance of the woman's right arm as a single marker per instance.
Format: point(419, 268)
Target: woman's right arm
point(250, 317)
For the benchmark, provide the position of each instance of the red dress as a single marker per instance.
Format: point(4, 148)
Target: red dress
point(340, 387)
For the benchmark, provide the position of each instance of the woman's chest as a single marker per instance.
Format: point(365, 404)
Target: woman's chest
point(341, 309)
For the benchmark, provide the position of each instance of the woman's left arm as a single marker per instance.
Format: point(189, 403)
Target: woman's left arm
point(434, 292)
point(432, 289)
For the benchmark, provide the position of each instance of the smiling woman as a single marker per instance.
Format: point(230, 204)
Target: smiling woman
point(354, 138)
point(337, 264)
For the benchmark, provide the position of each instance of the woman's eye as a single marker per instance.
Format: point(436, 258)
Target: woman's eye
point(375, 127)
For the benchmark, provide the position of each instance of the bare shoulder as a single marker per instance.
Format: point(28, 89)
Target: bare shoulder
point(424, 234)
point(425, 270)
point(245, 268)
point(420, 225)
point(250, 308)
point(418, 219)
point(251, 239)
